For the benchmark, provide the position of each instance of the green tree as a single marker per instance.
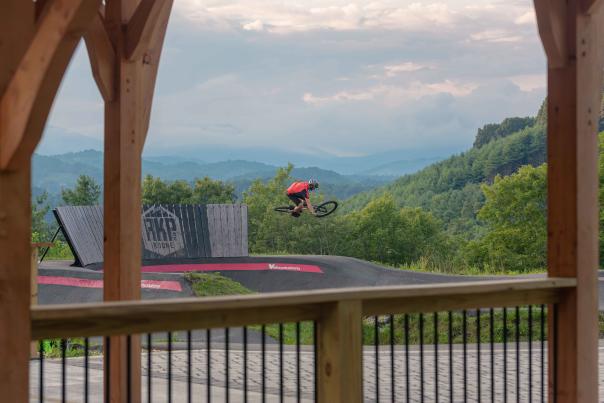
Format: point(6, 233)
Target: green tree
point(86, 192)
point(209, 191)
point(386, 233)
point(204, 191)
point(157, 191)
point(39, 209)
point(515, 217)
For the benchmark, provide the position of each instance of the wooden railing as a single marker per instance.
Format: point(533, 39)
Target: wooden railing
point(338, 314)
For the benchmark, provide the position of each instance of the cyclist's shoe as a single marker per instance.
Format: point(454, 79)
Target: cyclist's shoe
point(295, 214)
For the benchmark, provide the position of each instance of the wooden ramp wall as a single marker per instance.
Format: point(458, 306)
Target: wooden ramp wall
point(168, 231)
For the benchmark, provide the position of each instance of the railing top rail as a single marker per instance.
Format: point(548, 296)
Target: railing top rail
point(125, 317)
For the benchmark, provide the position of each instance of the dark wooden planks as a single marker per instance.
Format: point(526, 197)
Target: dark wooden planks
point(227, 225)
point(196, 231)
point(83, 229)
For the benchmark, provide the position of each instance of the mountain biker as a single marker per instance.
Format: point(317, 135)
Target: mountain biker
point(298, 193)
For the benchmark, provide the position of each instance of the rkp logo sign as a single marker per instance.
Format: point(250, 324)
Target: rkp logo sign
point(162, 231)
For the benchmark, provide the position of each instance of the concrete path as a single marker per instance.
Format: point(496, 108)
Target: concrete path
point(219, 388)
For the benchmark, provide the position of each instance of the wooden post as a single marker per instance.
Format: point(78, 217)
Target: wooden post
point(571, 35)
point(37, 41)
point(16, 30)
point(340, 352)
point(124, 46)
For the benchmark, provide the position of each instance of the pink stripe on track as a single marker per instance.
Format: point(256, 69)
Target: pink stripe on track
point(86, 283)
point(180, 268)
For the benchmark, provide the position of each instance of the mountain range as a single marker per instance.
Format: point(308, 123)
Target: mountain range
point(53, 173)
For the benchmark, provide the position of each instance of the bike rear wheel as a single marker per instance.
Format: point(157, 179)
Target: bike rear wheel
point(284, 209)
point(326, 208)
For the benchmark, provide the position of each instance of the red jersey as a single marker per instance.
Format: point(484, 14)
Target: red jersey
point(298, 187)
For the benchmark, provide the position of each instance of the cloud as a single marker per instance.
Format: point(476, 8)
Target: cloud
point(407, 67)
point(528, 18)
point(530, 82)
point(495, 36)
point(256, 25)
point(285, 17)
point(392, 96)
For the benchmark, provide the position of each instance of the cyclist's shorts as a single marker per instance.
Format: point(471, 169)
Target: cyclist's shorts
point(297, 198)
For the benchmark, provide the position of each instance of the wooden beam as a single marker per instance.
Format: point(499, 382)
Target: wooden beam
point(25, 105)
point(134, 317)
point(143, 24)
point(102, 57)
point(151, 60)
point(340, 361)
point(573, 214)
point(589, 7)
point(40, 7)
point(17, 27)
point(122, 198)
point(552, 23)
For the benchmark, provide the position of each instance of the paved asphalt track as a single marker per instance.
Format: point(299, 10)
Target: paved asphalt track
point(336, 272)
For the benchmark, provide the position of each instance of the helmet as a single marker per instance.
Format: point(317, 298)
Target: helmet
point(313, 183)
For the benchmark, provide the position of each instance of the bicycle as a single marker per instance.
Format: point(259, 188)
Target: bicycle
point(321, 210)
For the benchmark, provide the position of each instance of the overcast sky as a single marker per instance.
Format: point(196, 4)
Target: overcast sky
point(345, 77)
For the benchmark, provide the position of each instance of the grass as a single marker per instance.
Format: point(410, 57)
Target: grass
point(215, 284)
point(74, 348)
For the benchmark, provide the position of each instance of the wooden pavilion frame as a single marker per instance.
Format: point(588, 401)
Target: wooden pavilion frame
point(124, 40)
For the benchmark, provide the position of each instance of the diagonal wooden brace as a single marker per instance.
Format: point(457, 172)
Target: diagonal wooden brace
point(102, 57)
point(25, 105)
point(552, 23)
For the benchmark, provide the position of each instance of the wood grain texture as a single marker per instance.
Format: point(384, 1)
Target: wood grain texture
point(142, 26)
point(552, 19)
point(15, 292)
point(179, 314)
point(26, 102)
point(573, 214)
point(340, 361)
point(102, 57)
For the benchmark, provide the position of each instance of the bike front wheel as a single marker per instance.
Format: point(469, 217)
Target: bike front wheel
point(326, 208)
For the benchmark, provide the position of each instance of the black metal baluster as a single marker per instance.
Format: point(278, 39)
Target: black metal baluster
point(298, 388)
point(392, 386)
point(209, 364)
point(492, 342)
point(555, 352)
point(517, 323)
point(281, 362)
point(41, 391)
point(63, 370)
point(505, 355)
point(263, 362)
point(169, 367)
point(128, 368)
point(542, 353)
point(226, 364)
point(407, 380)
point(107, 369)
point(421, 356)
point(435, 356)
point(450, 335)
point(189, 369)
point(245, 364)
point(86, 376)
point(478, 369)
point(315, 359)
point(149, 368)
point(465, 354)
point(376, 342)
point(530, 353)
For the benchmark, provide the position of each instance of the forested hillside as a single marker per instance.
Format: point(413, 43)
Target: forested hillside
point(451, 189)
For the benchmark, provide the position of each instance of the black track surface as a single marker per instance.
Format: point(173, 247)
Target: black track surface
point(338, 272)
